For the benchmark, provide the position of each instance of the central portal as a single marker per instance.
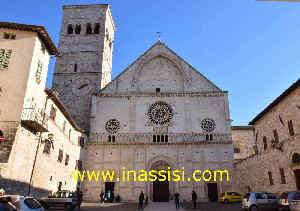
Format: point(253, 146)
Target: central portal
point(161, 192)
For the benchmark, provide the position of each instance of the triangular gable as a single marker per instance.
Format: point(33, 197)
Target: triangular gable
point(159, 66)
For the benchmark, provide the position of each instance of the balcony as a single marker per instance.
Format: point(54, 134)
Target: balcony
point(33, 120)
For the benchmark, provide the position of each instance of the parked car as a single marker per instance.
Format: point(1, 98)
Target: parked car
point(295, 202)
point(6, 205)
point(63, 199)
point(262, 201)
point(2, 192)
point(23, 203)
point(284, 200)
point(230, 196)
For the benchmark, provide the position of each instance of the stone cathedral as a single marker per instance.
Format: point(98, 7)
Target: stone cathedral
point(159, 113)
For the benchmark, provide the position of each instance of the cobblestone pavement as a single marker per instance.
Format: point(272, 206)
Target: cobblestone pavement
point(157, 207)
point(213, 206)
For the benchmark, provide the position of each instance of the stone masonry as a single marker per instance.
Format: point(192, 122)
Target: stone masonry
point(273, 168)
point(85, 62)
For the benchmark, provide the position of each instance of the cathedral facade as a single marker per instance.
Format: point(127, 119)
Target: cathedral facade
point(158, 114)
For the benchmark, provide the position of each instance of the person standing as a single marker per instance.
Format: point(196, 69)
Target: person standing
point(194, 199)
point(102, 197)
point(108, 195)
point(176, 198)
point(141, 201)
point(79, 198)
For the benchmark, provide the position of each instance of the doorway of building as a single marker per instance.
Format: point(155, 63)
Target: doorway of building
point(297, 178)
point(212, 191)
point(109, 191)
point(160, 191)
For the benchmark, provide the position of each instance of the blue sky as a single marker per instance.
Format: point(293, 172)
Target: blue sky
point(249, 48)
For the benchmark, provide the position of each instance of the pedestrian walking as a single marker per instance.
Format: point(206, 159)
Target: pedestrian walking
point(176, 198)
point(194, 199)
point(141, 201)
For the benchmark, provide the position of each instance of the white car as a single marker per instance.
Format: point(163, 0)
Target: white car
point(24, 203)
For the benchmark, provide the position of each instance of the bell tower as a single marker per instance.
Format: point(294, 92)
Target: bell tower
point(85, 62)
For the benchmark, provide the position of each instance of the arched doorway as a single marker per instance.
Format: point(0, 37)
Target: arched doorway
point(160, 189)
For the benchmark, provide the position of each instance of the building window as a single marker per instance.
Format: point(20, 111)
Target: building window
point(283, 181)
point(67, 160)
point(53, 113)
point(78, 29)
point(270, 178)
point(209, 137)
point(38, 74)
point(236, 150)
point(276, 137)
point(70, 134)
point(47, 147)
point(291, 128)
point(70, 29)
point(75, 68)
point(111, 138)
point(81, 141)
point(88, 28)
point(43, 49)
point(79, 165)
point(59, 186)
point(60, 156)
point(97, 28)
point(160, 138)
point(6, 35)
point(166, 138)
point(5, 55)
point(265, 143)
point(154, 138)
point(157, 90)
point(64, 126)
point(9, 36)
point(110, 44)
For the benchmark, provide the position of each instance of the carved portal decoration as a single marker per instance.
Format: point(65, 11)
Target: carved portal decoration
point(112, 126)
point(208, 125)
point(160, 113)
point(160, 165)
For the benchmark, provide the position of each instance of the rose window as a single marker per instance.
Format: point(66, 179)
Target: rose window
point(208, 125)
point(112, 126)
point(160, 113)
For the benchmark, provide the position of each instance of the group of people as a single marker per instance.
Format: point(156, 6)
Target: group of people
point(194, 199)
point(176, 199)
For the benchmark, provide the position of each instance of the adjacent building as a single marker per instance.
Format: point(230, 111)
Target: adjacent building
point(243, 140)
point(275, 167)
point(40, 144)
